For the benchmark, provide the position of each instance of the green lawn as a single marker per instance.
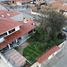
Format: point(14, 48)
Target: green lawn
point(32, 52)
point(36, 49)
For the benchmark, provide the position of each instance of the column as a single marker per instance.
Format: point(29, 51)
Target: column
point(16, 40)
point(9, 46)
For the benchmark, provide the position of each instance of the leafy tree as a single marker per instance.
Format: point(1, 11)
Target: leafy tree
point(52, 22)
point(56, 22)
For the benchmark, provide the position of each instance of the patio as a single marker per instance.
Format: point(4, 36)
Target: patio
point(15, 58)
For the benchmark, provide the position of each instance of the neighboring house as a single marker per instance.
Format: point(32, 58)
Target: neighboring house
point(19, 2)
point(13, 33)
point(21, 17)
point(15, 1)
point(3, 0)
point(40, 2)
point(44, 59)
point(18, 16)
point(59, 6)
point(8, 14)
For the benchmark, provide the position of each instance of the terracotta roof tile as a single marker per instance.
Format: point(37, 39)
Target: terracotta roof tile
point(21, 0)
point(8, 13)
point(45, 56)
point(64, 7)
point(7, 24)
point(56, 4)
point(59, 5)
point(25, 29)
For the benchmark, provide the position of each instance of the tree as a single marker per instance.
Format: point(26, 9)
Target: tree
point(56, 22)
point(52, 22)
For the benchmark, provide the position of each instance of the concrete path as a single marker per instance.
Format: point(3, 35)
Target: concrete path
point(21, 47)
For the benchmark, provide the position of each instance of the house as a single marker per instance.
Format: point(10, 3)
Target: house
point(15, 15)
point(21, 17)
point(60, 6)
point(39, 2)
point(45, 58)
point(19, 2)
point(55, 5)
point(13, 33)
point(8, 14)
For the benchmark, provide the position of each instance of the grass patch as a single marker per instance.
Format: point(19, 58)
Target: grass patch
point(36, 49)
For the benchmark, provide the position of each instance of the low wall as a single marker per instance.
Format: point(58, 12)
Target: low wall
point(5, 60)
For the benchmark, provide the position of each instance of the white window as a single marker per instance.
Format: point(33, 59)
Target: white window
point(17, 28)
point(11, 31)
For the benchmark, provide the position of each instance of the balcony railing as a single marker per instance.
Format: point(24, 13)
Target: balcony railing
point(21, 41)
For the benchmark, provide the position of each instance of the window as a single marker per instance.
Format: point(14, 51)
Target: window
point(30, 32)
point(3, 34)
point(12, 1)
point(13, 30)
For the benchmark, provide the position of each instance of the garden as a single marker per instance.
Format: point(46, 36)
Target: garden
point(47, 34)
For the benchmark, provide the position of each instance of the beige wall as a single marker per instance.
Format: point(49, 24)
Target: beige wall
point(39, 1)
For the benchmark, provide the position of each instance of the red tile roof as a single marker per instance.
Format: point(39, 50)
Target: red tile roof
point(64, 7)
point(56, 4)
point(8, 13)
point(25, 29)
point(59, 5)
point(47, 54)
point(21, 0)
point(7, 24)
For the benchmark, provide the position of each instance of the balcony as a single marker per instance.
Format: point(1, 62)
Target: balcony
point(20, 41)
